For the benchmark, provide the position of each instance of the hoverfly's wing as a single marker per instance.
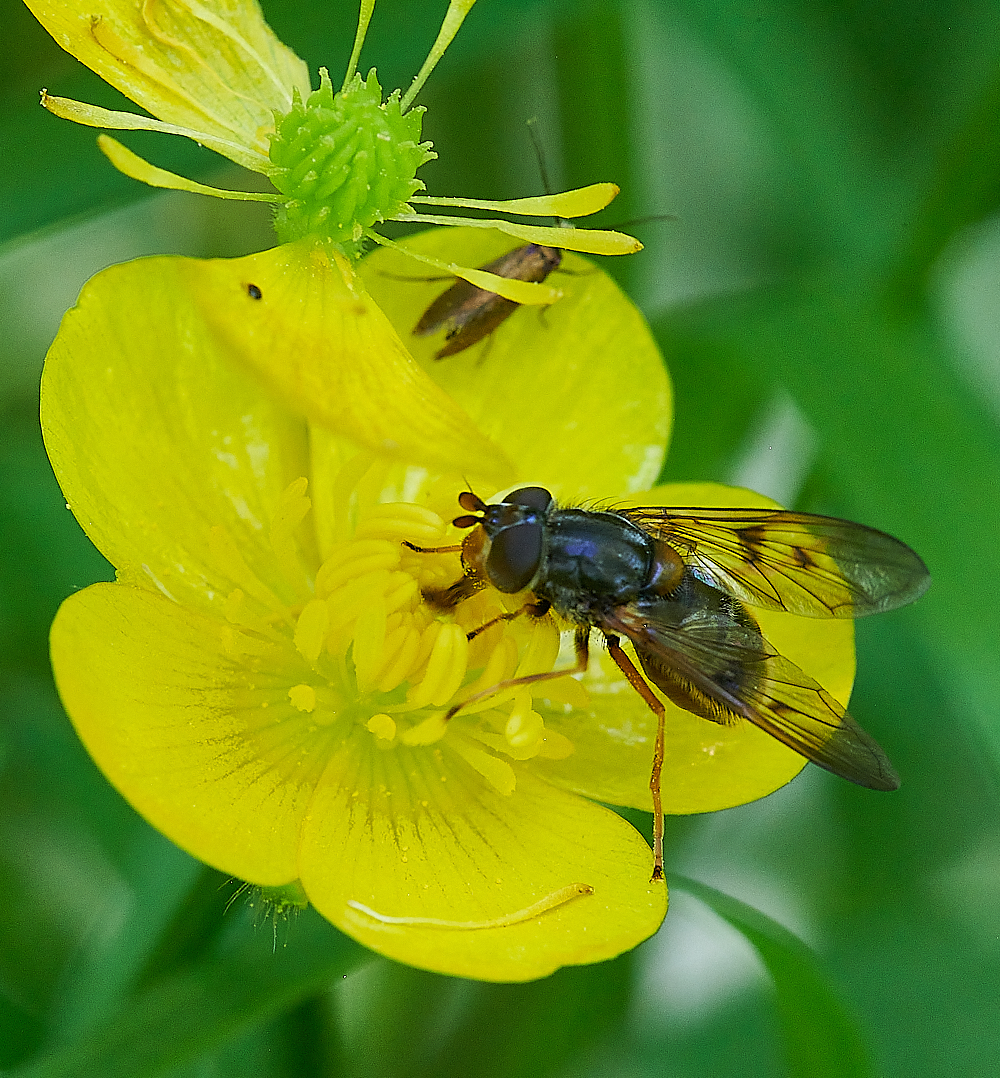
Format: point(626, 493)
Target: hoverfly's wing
point(748, 678)
point(816, 566)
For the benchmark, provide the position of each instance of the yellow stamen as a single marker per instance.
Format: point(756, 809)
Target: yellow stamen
point(311, 629)
point(524, 727)
point(369, 644)
point(498, 773)
point(445, 669)
point(382, 726)
point(432, 729)
point(302, 697)
point(354, 559)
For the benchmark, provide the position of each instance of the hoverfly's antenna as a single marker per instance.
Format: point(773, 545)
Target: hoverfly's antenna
point(468, 500)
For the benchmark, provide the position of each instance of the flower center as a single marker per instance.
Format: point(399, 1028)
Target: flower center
point(349, 160)
point(359, 650)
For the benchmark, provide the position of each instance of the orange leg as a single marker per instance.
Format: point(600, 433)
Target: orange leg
point(581, 643)
point(638, 682)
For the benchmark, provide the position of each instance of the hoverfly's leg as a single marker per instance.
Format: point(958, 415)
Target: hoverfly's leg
point(456, 549)
point(581, 643)
point(638, 682)
point(536, 609)
point(463, 588)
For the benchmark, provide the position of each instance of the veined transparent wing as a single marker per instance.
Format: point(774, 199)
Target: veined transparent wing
point(811, 565)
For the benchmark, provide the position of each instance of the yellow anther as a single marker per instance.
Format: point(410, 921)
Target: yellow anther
point(498, 773)
point(369, 645)
point(500, 666)
point(429, 629)
point(382, 726)
point(354, 559)
point(302, 697)
point(347, 603)
point(445, 669)
point(311, 629)
point(397, 521)
point(402, 662)
point(542, 650)
point(524, 727)
point(555, 746)
point(404, 589)
point(432, 729)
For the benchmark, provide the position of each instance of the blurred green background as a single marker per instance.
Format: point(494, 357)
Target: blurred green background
point(827, 299)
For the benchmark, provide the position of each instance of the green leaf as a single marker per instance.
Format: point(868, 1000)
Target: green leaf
point(195, 1011)
point(822, 1039)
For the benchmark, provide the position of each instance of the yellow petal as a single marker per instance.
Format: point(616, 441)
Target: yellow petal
point(212, 66)
point(173, 458)
point(577, 203)
point(133, 165)
point(578, 394)
point(707, 766)
point(308, 325)
point(388, 846)
point(190, 719)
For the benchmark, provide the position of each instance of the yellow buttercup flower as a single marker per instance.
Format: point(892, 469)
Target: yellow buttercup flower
point(212, 70)
point(266, 683)
point(341, 162)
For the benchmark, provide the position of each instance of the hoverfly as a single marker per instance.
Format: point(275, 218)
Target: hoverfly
point(677, 583)
point(472, 313)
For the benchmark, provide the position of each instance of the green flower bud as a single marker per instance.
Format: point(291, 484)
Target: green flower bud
point(350, 160)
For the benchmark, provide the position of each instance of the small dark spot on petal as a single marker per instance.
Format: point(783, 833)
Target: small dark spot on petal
point(254, 292)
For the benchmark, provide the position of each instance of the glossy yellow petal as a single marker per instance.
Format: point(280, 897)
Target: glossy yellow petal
point(707, 766)
point(577, 203)
point(414, 853)
point(588, 240)
point(212, 66)
point(169, 454)
point(189, 717)
point(300, 317)
point(133, 165)
point(577, 394)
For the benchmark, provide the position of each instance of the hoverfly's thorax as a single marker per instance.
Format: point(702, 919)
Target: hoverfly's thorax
point(593, 561)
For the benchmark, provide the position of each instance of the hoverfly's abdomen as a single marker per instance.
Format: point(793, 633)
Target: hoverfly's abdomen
point(596, 559)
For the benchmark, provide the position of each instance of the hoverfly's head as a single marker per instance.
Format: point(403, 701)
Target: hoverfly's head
point(515, 528)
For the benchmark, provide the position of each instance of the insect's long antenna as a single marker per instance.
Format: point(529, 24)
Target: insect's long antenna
point(540, 155)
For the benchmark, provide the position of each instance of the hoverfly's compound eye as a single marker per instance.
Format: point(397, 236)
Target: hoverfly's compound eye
point(532, 497)
point(515, 555)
